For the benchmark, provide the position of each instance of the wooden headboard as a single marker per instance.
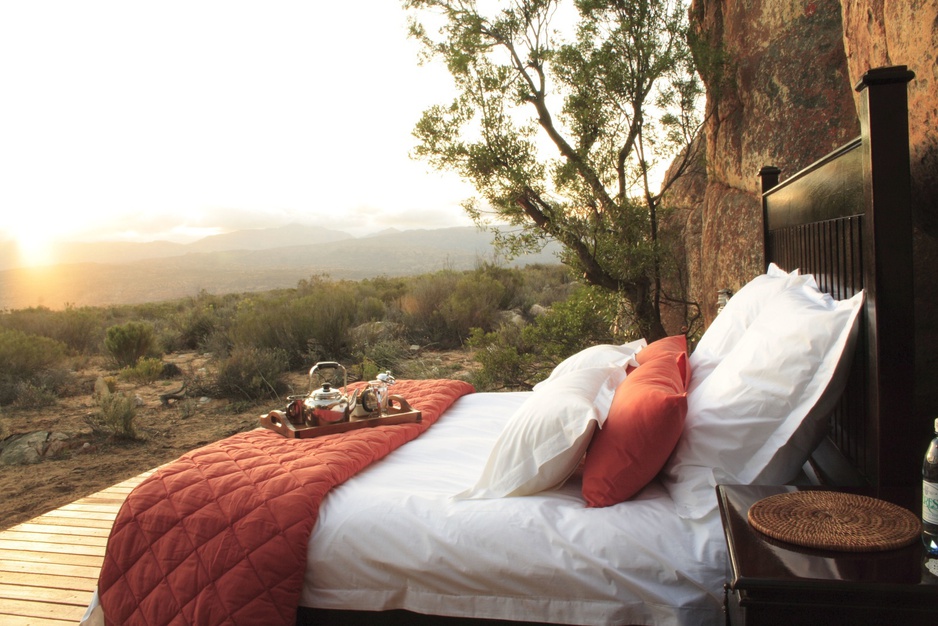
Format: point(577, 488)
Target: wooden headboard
point(847, 220)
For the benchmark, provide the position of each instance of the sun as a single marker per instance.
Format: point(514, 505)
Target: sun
point(35, 244)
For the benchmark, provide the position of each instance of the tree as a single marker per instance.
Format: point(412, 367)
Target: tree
point(561, 133)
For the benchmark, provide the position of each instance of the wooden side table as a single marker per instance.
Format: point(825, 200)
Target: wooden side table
point(770, 582)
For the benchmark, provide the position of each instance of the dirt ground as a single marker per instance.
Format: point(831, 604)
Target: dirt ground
point(93, 462)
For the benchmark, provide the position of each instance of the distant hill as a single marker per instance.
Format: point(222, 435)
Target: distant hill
point(125, 251)
point(242, 261)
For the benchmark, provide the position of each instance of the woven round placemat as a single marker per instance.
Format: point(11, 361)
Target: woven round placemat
point(832, 520)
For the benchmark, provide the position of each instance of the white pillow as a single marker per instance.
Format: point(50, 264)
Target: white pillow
point(545, 438)
point(772, 389)
point(597, 356)
point(740, 311)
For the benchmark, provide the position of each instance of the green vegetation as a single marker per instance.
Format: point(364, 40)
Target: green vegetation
point(562, 134)
point(515, 356)
point(116, 411)
point(130, 342)
point(516, 323)
point(28, 363)
point(145, 371)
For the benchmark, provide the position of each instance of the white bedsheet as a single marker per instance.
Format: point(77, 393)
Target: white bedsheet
point(394, 537)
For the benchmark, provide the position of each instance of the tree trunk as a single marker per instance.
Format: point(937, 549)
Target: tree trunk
point(646, 315)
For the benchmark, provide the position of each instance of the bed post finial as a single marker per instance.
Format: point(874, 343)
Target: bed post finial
point(769, 175)
point(885, 76)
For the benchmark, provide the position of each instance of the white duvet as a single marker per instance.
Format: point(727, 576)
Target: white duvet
point(394, 537)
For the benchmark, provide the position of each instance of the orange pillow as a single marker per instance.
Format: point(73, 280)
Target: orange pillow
point(675, 344)
point(642, 428)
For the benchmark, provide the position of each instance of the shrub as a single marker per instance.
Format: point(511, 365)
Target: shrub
point(33, 396)
point(507, 361)
point(305, 328)
point(116, 411)
point(25, 359)
point(388, 353)
point(584, 319)
point(194, 326)
point(420, 306)
point(80, 329)
point(116, 415)
point(516, 357)
point(370, 309)
point(474, 303)
point(128, 343)
point(27, 355)
point(147, 370)
point(512, 282)
point(252, 373)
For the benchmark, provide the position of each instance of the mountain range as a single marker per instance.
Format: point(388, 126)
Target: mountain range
point(105, 273)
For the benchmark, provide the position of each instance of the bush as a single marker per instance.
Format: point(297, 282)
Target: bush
point(116, 415)
point(193, 326)
point(444, 307)
point(370, 309)
point(128, 343)
point(421, 305)
point(507, 361)
point(474, 303)
point(116, 411)
point(80, 329)
point(373, 358)
point(252, 374)
point(147, 370)
point(33, 396)
point(27, 355)
point(25, 359)
point(584, 319)
point(517, 357)
point(305, 328)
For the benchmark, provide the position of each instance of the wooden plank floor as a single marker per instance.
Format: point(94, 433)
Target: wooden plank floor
point(49, 565)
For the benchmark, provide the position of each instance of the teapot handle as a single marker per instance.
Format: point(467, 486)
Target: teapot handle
point(328, 365)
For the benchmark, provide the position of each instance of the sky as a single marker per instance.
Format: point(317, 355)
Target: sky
point(171, 120)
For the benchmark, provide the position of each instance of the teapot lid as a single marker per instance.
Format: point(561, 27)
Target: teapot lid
point(326, 392)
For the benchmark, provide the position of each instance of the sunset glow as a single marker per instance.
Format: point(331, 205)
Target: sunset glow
point(177, 119)
point(34, 239)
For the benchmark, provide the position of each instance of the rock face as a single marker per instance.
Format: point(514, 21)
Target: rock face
point(780, 79)
point(878, 33)
point(766, 105)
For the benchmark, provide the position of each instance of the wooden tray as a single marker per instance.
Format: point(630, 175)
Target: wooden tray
point(403, 414)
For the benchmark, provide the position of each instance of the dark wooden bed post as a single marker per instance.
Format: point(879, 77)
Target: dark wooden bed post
point(847, 219)
point(884, 131)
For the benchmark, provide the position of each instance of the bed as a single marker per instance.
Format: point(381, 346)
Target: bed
point(493, 513)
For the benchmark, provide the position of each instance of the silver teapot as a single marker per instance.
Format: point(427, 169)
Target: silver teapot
point(326, 405)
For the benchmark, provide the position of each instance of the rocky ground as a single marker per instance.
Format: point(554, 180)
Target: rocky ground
point(78, 461)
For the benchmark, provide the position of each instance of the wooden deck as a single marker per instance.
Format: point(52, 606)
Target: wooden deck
point(49, 565)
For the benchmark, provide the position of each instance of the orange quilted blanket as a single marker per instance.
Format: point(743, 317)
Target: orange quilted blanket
point(219, 536)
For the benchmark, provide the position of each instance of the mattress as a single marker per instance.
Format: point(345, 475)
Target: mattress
point(394, 537)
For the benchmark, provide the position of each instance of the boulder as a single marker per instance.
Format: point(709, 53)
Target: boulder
point(766, 105)
point(24, 449)
point(781, 93)
point(878, 33)
point(32, 447)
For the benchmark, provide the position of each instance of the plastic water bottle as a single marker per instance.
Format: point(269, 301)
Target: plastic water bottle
point(930, 496)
